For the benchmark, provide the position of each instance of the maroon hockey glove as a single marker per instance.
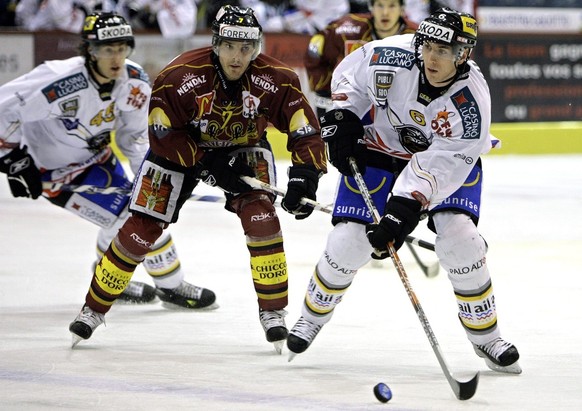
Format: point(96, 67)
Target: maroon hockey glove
point(220, 169)
point(401, 217)
point(303, 182)
point(343, 132)
point(23, 176)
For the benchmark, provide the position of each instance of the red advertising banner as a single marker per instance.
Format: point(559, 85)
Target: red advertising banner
point(532, 77)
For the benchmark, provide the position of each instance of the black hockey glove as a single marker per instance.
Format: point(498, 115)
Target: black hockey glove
point(23, 176)
point(222, 170)
point(400, 219)
point(343, 132)
point(303, 182)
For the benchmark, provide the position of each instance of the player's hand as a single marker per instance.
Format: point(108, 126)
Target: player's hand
point(400, 219)
point(343, 132)
point(303, 182)
point(220, 169)
point(24, 178)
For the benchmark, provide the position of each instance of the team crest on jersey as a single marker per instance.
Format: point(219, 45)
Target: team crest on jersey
point(468, 109)
point(65, 86)
point(69, 107)
point(265, 82)
point(412, 139)
point(392, 56)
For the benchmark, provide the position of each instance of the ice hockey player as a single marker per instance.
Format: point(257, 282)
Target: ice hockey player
point(56, 124)
point(329, 46)
point(431, 121)
point(208, 116)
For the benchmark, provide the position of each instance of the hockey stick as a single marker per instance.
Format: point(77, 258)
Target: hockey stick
point(428, 271)
point(463, 390)
point(85, 188)
point(253, 182)
point(91, 189)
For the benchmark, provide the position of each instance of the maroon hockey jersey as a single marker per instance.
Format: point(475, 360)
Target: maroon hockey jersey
point(193, 109)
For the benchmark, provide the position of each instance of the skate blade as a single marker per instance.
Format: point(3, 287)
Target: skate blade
point(76, 340)
point(291, 356)
point(510, 369)
point(175, 307)
point(278, 346)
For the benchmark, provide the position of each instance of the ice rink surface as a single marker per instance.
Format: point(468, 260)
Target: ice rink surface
point(151, 358)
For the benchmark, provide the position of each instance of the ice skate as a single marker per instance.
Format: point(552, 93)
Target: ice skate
point(301, 336)
point(137, 293)
point(84, 325)
point(500, 356)
point(187, 296)
point(273, 323)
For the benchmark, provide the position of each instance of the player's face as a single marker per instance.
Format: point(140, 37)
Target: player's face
point(110, 60)
point(439, 63)
point(235, 57)
point(386, 14)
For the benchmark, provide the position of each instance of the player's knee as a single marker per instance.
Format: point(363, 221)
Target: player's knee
point(346, 251)
point(138, 235)
point(459, 246)
point(258, 216)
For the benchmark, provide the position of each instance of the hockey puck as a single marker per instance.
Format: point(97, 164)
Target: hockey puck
point(382, 392)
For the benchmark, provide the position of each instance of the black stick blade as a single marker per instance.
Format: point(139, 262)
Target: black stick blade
point(467, 389)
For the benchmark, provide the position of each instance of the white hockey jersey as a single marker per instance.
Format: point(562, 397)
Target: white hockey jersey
point(58, 111)
point(442, 137)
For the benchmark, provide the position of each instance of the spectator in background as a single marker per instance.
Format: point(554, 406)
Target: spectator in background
point(173, 18)
point(328, 47)
point(66, 15)
point(7, 12)
point(307, 16)
point(418, 10)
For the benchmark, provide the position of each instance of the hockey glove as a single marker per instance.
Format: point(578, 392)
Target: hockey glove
point(400, 219)
point(23, 176)
point(303, 181)
point(343, 132)
point(222, 170)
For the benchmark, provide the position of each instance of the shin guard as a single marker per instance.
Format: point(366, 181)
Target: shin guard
point(462, 253)
point(111, 276)
point(265, 244)
point(321, 299)
point(163, 264)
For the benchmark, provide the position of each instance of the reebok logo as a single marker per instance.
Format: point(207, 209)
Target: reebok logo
point(328, 131)
point(19, 165)
point(391, 217)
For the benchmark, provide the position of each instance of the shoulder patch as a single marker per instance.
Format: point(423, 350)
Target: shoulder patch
point(137, 72)
point(392, 56)
point(465, 103)
point(65, 86)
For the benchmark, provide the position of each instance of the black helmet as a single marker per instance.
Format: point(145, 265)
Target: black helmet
point(102, 28)
point(238, 24)
point(448, 26)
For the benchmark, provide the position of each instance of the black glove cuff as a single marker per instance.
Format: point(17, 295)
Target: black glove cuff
point(407, 208)
point(13, 157)
point(340, 124)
